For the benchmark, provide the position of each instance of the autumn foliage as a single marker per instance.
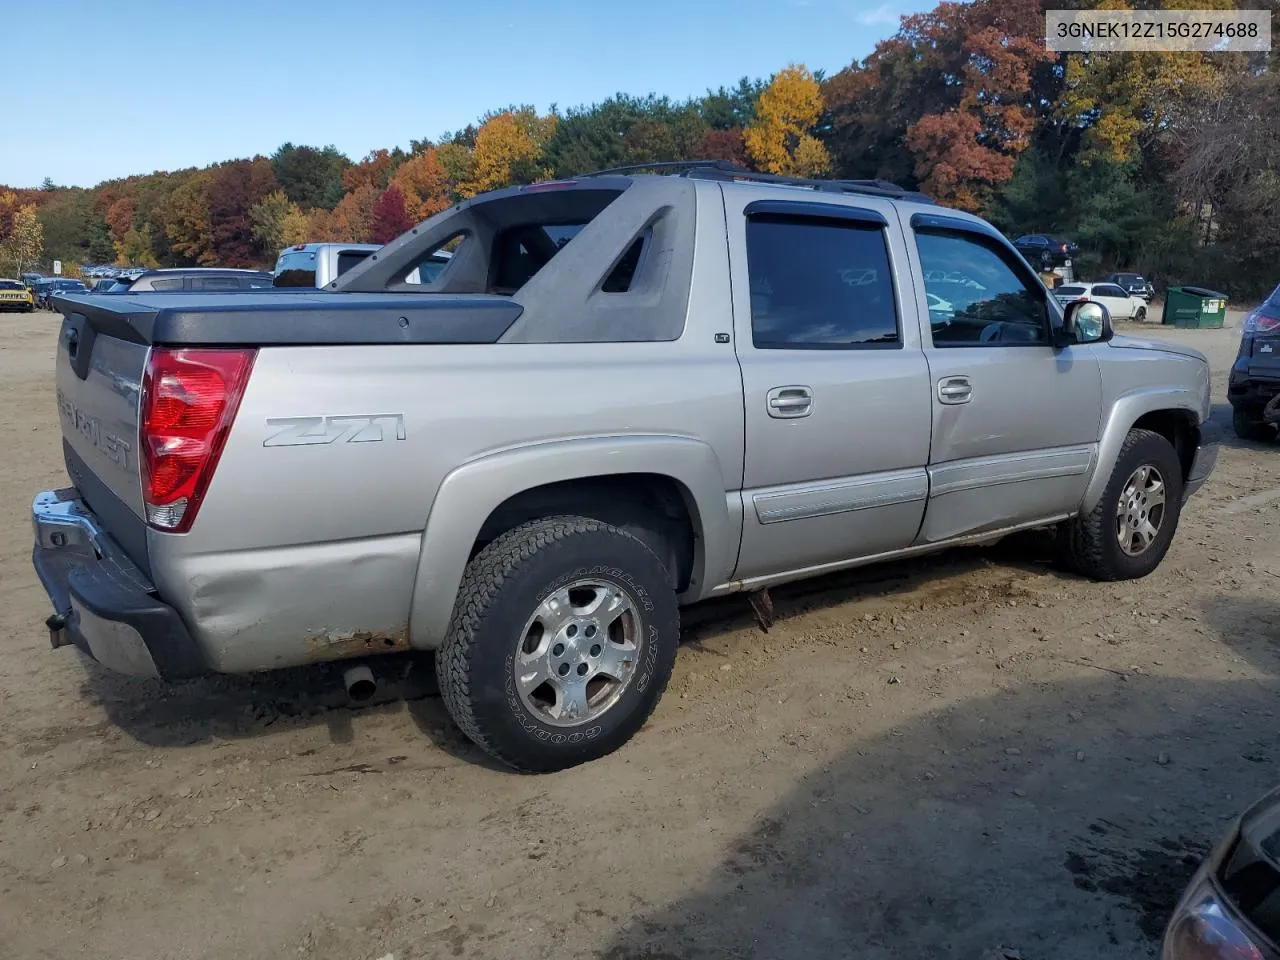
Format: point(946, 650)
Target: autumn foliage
point(780, 139)
point(1162, 163)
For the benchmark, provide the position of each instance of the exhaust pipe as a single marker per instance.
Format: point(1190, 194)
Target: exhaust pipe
point(359, 682)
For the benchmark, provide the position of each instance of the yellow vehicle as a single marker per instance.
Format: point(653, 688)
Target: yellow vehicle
point(15, 296)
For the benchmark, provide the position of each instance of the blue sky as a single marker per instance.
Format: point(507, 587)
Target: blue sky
point(118, 87)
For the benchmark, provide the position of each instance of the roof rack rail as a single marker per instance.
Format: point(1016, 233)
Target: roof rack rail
point(725, 171)
point(671, 165)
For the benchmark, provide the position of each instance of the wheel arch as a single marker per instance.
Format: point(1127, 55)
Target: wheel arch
point(1174, 413)
point(666, 490)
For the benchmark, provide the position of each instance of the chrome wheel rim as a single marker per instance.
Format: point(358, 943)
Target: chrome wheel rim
point(1140, 512)
point(578, 652)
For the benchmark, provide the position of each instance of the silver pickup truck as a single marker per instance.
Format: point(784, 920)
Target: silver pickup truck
point(623, 394)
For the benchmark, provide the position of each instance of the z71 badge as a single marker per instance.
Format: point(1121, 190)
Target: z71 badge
point(303, 431)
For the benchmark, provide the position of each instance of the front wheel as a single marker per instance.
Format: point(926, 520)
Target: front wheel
point(1141, 315)
point(1128, 533)
point(563, 638)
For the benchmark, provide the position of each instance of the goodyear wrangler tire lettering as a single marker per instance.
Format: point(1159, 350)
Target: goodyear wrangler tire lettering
point(599, 590)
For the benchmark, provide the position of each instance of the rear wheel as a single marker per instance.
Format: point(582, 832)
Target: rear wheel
point(563, 638)
point(1128, 533)
point(1248, 425)
point(1141, 315)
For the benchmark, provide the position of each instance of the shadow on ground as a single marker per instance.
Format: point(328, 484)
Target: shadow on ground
point(230, 707)
point(1221, 416)
point(1051, 821)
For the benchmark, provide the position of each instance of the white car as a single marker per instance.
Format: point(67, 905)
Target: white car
point(1121, 304)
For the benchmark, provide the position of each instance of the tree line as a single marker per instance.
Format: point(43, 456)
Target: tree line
point(1164, 163)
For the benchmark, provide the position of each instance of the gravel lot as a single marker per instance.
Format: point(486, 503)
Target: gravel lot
point(936, 759)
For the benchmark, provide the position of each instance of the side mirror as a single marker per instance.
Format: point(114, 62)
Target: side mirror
point(1086, 321)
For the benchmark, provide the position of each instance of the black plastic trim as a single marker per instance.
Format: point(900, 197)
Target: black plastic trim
point(815, 211)
point(939, 221)
point(110, 588)
point(272, 318)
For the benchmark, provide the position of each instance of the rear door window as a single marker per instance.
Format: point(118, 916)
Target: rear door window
point(819, 284)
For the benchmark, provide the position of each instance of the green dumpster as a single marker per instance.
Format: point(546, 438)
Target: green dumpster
point(1194, 307)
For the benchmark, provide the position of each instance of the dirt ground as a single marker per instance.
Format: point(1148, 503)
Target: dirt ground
point(936, 759)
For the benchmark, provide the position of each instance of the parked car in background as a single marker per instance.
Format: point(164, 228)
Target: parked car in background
point(382, 465)
point(1133, 283)
point(1253, 387)
point(192, 280)
point(317, 265)
point(1121, 304)
point(103, 285)
point(1045, 251)
point(49, 287)
point(1229, 910)
point(15, 296)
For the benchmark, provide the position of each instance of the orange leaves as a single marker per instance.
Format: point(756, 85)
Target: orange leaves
point(954, 87)
point(424, 184)
point(374, 171)
point(952, 163)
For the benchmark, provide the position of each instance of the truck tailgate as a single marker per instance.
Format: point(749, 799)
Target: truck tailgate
point(99, 380)
point(1264, 359)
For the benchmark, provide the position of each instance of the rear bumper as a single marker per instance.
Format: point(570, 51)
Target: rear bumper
point(102, 602)
point(1205, 459)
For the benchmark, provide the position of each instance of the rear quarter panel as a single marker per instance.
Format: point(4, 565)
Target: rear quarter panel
point(314, 551)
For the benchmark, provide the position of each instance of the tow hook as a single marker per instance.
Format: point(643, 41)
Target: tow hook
point(57, 624)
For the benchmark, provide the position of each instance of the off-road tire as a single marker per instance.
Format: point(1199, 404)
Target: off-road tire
point(500, 589)
point(1090, 544)
point(1248, 425)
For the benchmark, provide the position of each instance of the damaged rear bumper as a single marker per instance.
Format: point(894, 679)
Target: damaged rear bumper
point(102, 602)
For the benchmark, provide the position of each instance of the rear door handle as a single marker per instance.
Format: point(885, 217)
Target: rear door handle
point(955, 390)
point(787, 403)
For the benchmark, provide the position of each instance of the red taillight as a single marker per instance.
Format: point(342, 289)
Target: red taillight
point(189, 400)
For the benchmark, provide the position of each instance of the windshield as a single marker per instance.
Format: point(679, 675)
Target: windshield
point(11, 285)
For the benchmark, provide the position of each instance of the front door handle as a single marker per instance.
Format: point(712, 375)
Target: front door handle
point(787, 403)
point(955, 390)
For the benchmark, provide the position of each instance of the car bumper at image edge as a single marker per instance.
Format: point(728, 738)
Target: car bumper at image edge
point(102, 602)
point(1206, 458)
